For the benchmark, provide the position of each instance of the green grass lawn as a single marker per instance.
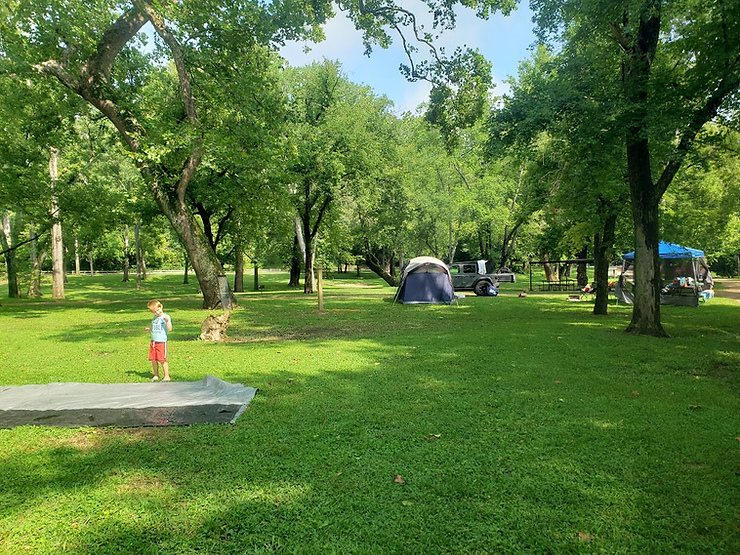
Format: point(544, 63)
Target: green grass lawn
point(499, 425)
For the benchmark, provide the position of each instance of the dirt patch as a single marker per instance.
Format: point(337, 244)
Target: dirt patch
point(729, 288)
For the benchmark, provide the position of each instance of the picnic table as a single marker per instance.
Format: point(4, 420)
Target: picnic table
point(564, 284)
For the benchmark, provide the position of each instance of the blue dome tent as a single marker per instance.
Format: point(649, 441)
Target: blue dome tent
point(684, 274)
point(425, 279)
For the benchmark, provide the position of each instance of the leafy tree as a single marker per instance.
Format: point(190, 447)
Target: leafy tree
point(670, 68)
point(337, 141)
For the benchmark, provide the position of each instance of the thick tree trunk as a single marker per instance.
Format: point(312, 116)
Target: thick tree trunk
point(186, 270)
point(57, 244)
point(643, 191)
point(639, 52)
point(238, 271)
point(256, 277)
point(646, 308)
point(203, 258)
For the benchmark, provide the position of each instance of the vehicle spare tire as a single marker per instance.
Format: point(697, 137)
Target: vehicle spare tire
point(481, 288)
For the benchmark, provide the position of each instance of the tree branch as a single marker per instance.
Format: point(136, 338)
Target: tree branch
point(193, 160)
point(729, 84)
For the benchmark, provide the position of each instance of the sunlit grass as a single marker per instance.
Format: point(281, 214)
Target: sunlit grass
point(499, 425)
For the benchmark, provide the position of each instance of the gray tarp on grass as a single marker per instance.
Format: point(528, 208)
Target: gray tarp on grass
point(124, 404)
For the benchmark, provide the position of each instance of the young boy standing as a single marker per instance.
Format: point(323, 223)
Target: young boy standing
point(161, 325)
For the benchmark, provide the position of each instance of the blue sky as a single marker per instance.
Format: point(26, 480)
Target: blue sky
point(504, 41)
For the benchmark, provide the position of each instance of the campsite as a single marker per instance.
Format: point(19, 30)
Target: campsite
point(369, 278)
point(493, 425)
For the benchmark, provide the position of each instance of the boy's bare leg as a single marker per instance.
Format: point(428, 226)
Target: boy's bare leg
point(155, 368)
point(166, 368)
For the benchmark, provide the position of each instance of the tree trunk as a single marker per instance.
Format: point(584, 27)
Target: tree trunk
point(549, 272)
point(91, 260)
point(57, 244)
point(11, 260)
point(34, 289)
point(186, 271)
point(309, 279)
point(646, 308)
point(581, 270)
point(295, 265)
point(202, 256)
point(299, 253)
point(603, 244)
point(383, 271)
point(256, 277)
point(77, 256)
point(126, 248)
point(643, 192)
point(238, 271)
point(137, 249)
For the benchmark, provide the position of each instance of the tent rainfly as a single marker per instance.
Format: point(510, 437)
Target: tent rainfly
point(425, 279)
point(684, 273)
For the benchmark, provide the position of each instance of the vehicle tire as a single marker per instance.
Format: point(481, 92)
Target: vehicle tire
point(481, 288)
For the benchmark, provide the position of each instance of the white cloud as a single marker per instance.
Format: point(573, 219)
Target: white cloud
point(502, 40)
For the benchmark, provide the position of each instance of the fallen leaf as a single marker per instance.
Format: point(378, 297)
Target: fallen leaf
point(585, 537)
point(406, 503)
point(270, 383)
point(737, 439)
point(289, 382)
point(558, 382)
point(295, 360)
point(399, 480)
point(433, 436)
point(635, 393)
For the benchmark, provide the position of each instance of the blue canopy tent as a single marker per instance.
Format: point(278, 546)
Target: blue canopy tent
point(425, 279)
point(668, 250)
point(684, 273)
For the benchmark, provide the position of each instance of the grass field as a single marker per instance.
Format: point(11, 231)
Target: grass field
point(499, 425)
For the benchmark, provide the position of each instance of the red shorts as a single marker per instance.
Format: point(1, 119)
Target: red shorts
point(158, 351)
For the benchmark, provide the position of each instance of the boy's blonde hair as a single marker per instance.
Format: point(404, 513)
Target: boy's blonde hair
point(153, 305)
